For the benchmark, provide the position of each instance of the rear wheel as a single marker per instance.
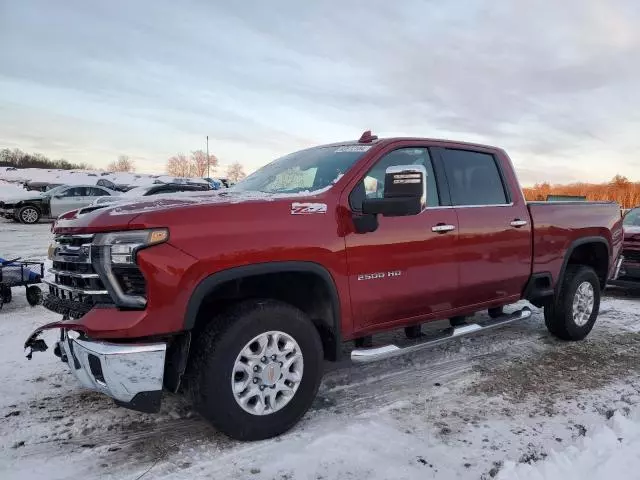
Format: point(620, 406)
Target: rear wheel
point(572, 315)
point(29, 214)
point(256, 369)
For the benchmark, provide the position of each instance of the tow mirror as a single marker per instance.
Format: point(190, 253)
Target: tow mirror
point(405, 192)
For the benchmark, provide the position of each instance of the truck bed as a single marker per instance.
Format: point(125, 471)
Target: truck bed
point(561, 226)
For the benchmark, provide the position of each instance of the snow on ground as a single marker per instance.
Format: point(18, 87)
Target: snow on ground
point(513, 403)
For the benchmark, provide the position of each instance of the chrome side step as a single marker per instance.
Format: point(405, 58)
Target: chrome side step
point(366, 355)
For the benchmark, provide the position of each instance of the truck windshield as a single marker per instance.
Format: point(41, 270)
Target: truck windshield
point(632, 218)
point(306, 171)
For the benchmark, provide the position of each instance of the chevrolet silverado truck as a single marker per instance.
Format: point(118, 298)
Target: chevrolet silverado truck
point(628, 273)
point(238, 298)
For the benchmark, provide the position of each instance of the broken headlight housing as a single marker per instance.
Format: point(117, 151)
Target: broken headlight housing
point(113, 256)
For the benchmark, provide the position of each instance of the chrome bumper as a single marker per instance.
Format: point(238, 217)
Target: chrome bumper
point(131, 374)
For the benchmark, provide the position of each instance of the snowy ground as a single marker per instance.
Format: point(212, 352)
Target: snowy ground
point(511, 404)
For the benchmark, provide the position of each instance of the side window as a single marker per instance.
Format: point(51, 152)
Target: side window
point(75, 192)
point(372, 185)
point(98, 192)
point(474, 178)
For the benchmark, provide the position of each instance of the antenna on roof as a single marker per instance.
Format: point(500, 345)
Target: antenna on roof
point(367, 137)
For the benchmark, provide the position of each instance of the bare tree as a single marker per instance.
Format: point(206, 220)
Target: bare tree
point(235, 172)
point(179, 166)
point(123, 164)
point(199, 163)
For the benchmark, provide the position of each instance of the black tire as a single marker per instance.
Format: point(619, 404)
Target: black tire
point(214, 354)
point(458, 321)
point(29, 214)
point(413, 332)
point(558, 315)
point(5, 294)
point(496, 312)
point(34, 295)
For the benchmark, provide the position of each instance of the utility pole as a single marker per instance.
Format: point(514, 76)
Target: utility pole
point(208, 172)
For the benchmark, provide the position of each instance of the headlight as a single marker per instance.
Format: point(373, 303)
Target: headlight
point(113, 255)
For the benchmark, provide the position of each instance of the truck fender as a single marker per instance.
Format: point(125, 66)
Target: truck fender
point(212, 282)
point(572, 247)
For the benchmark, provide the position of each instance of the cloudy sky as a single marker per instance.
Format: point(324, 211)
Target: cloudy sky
point(557, 83)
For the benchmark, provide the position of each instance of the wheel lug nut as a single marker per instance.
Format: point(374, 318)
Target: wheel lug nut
point(273, 357)
point(263, 359)
point(255, 380)
point(256, 368)
point(261, 387)
point(281, 364)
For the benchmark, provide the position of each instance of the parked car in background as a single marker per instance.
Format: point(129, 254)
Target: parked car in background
point(32, 206)
point(40, 186)
point(103, 182)
point(628, 269)
point(155, 189)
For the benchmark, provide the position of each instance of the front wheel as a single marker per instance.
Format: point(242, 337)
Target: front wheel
point(34, 295)
point(572, 315)
point(256, 369)
point(29, 214)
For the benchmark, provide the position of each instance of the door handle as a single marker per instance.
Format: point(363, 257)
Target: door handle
point(518, 223)
point(442, 228)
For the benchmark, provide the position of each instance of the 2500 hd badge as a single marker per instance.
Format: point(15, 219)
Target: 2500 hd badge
point(377, 275)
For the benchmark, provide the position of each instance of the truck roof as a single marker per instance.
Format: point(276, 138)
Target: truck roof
point(368, 139)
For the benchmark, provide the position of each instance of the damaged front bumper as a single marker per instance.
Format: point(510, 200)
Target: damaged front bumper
point(131, 374)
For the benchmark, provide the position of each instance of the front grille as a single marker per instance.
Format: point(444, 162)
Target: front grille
point(631, 255)
point(76, 287)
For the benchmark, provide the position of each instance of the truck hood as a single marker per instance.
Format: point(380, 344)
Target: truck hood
point(130, 215)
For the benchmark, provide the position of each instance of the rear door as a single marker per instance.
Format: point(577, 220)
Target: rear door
point(404, 269)
point(494, 242)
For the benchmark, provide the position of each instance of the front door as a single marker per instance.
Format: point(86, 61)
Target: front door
point(406, 268)
point(494, 243)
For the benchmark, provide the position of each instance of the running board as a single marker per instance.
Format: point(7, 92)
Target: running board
point(366, 355)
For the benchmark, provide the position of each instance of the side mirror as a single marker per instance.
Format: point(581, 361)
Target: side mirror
point(405, 192)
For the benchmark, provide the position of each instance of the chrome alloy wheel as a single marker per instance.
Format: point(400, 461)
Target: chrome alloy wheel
point(583, 301)
point(267, 373)
point(29, 215)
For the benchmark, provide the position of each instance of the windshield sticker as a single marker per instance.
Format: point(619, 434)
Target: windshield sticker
point(308, 208)
point(352, 148)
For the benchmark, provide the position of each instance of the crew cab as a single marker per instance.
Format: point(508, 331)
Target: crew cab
point(237, 298)
point(31, 206)
point(628, 272)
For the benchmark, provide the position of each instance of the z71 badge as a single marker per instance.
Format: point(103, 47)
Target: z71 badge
point(308, 208)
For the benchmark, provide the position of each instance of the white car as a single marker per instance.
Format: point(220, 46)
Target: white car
point(30, 207)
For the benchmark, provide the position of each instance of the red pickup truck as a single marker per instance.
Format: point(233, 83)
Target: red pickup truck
point(238, 298)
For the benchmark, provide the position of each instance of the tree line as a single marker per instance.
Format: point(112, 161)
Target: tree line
point(620, 189)
point(180, 165)
point(19, 159)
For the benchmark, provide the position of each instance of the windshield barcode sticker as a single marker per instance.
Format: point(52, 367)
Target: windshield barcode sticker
point(308, 208)
point(352, 148)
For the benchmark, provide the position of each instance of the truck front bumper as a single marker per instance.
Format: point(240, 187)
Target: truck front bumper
point(131, 374)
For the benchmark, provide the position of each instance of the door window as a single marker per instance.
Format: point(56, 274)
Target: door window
point(98, 192)
point(75, 192)
point(474, 178)
point(372, 185)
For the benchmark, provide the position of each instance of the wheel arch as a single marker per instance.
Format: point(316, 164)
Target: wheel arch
point(229, 282)
point(594, 251)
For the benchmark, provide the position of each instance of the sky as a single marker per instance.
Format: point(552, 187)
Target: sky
point(557, 84)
